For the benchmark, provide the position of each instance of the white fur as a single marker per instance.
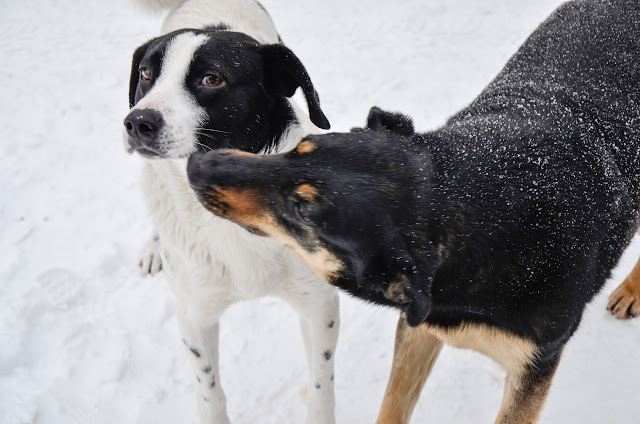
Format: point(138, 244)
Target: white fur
point(211, 263)
point(169, 96)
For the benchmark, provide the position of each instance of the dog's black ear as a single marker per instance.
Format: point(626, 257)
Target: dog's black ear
point(394, 122)
point(420, 288)
point(135, 63)
point(284, 73)
point(416, 274)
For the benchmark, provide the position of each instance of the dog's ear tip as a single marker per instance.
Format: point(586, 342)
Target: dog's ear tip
point(320, 121)
point(417, 311)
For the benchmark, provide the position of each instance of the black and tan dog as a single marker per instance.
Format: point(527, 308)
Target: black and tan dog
point(491, 233)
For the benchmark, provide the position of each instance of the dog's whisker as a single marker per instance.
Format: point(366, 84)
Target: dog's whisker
point(212, 130)
point(203, 145)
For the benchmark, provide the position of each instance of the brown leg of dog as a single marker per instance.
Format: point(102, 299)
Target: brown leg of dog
point(624, 302)
point(525, 392)
point(416, 351)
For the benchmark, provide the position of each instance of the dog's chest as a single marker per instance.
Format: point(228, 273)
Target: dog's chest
point(202, 253)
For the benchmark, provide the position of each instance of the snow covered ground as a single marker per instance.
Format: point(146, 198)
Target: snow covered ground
point(85, 339)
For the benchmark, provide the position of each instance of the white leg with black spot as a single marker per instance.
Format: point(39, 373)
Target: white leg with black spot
point(202, 344)
point(319, 308)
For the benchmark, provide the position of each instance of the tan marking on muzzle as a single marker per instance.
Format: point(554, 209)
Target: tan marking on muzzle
point(306, 146)
point(238, 205)
point(239, 153)
point(245, 207)
point(307, 192)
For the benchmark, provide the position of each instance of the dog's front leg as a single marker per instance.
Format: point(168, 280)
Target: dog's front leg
point(201, 342)
point(318, 305)
point(415, 353)
point(526, 390)
point(150, 260)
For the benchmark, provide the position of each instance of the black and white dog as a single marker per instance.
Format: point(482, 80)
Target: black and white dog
point(226, 84)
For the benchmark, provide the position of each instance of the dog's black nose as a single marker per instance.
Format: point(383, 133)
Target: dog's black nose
point(143, 125)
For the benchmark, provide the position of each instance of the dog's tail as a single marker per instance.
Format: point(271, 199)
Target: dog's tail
point(157, 6)
point(247, 16)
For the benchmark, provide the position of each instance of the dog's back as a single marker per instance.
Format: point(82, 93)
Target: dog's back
point(562, 121)
point(580, 71)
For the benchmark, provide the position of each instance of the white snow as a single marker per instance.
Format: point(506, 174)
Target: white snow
point(85, 339)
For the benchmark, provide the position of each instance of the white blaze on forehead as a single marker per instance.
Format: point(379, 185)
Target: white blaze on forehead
point(180, 111)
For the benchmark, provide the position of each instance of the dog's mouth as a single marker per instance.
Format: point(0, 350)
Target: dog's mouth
point(134, 145)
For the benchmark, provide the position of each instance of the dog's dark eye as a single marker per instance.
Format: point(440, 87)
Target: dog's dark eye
point(145, 74)
point(211, 81)
point(298, 211)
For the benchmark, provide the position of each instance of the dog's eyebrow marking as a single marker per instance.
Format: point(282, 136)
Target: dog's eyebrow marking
point(179, 55)
point(307, 192)
point(306, 146)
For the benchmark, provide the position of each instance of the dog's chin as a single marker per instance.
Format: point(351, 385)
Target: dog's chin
point(149, 153)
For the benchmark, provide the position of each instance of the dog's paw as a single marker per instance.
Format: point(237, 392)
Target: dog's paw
point(150, 261)
point(624, 302)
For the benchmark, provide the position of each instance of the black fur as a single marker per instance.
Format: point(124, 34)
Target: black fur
point(250, 112)
point(512, 214)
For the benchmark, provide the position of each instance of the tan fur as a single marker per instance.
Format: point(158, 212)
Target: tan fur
point(307, 192)
point(305, 146)
point(415, 353)
point(624, 302)
point(395, 290)
point(523, 399)
point(241, 153)
point(321, 261)
point(417, 349)
point(512, 352)
point(244, 207)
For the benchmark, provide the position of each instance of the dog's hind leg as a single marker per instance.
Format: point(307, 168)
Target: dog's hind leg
point(201, 342)
point(318, 305)
point(624, 302)
point(526, 390)
point(416, 351)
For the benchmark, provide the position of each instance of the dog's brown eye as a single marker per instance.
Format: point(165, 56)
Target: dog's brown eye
point(211, 81)
point(145, 74)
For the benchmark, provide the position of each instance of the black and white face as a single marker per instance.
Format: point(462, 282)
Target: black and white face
point(201, 90)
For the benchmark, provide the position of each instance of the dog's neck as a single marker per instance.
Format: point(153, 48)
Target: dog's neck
point(282, 119)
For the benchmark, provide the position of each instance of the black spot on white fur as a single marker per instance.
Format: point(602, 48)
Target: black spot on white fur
point(327, 355)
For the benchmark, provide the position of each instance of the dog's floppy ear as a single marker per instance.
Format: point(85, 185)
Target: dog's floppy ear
point(421, 281)
point(284, 73)
point(135, 63)
point(394, 122)
point(417, 274)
